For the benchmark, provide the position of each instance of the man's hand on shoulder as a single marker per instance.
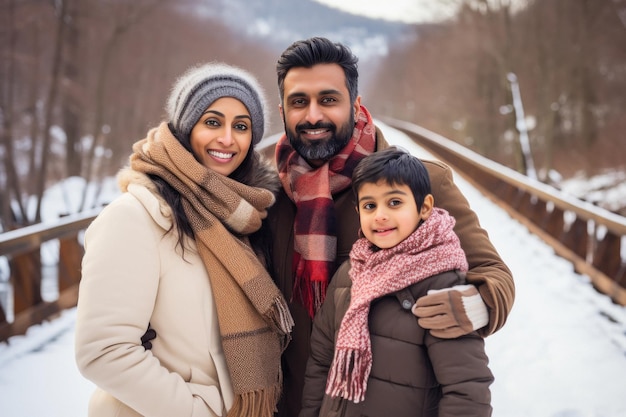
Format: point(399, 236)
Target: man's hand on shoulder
point(451, 312)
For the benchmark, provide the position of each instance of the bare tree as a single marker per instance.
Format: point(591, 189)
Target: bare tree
point(10, 190)
point(20, 108)
point(41, 170)
point(73, 94)
point(124, 17)
point(567, 54)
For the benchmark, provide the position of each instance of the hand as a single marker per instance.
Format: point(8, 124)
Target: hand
point(451, 312)
point(149, 335)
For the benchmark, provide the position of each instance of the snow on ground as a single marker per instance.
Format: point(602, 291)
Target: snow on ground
point(562, 352)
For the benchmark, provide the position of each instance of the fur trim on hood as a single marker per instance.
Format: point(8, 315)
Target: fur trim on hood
point(127, 176)
point(266, 175)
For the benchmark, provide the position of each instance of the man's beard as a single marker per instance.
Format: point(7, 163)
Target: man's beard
point(321, 150)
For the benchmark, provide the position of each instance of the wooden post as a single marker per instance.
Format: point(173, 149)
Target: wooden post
point(607, 256)
point(3, 317)
point(70, 257)
point(576, 238)
point(26, 280)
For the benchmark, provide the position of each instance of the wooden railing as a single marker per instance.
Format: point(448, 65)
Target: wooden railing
point(22, 247)
point(590, 237)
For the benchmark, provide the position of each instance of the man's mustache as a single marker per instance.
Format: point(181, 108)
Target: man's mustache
point(309, 126)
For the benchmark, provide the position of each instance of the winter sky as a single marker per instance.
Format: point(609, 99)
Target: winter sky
point(407, 11)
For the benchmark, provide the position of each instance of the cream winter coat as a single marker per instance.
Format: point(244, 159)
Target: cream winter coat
point(133, 274)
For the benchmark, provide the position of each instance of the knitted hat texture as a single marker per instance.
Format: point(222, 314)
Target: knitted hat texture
point(200, 86)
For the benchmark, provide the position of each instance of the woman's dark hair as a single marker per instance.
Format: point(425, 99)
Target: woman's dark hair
point(172, 198)
point(309, 52)
point(394, 166)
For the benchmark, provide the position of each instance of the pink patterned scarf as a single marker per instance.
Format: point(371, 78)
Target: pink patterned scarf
point(432, 249)
point(312, 190)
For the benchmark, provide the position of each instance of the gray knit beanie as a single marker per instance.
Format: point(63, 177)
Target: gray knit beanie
point(200, 86)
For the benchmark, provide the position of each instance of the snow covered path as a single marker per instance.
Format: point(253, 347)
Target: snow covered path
point(562, 352)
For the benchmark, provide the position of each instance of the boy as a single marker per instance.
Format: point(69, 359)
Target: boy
point(369, 356)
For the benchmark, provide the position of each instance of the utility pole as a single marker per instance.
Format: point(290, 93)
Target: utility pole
point(520, 124)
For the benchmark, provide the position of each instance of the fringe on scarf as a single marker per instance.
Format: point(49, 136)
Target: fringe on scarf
point(311, 283)
point(349, 374)
point(260, 403)
point(281, 317)
point(311, 296)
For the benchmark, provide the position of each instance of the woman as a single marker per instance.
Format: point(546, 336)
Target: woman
point(181, 250)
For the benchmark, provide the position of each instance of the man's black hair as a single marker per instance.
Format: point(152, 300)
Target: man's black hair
point(309, 52)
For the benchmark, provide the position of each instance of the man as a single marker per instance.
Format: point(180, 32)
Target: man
point(314, 223)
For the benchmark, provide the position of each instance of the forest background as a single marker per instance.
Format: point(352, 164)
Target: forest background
point(81, 80)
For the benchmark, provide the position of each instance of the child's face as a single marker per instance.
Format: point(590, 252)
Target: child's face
point(388, 213)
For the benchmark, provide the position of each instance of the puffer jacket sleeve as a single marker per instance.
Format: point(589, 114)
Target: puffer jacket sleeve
point(461, 367)
point(486, 269)
point(325, 326)
point(120, 278)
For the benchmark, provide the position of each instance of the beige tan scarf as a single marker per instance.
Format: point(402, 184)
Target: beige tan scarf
point(254, 319)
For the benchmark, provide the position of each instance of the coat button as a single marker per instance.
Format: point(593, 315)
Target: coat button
point(406, 304)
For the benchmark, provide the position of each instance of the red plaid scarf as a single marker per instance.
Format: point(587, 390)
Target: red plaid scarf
point(312, 190)
point(432, 249)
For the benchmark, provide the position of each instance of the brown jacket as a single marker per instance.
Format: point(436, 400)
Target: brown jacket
point(413, 373)
point(487, 270)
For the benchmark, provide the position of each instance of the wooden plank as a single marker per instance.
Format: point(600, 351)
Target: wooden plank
point(39, 313)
